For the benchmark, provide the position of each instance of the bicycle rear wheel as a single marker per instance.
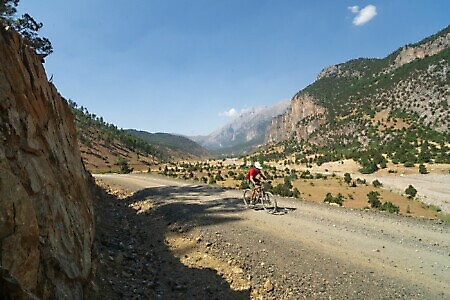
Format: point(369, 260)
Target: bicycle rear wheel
point(246, 197)
point(269, 203)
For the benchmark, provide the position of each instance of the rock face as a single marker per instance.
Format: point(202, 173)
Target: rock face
point(430, 48)
point(301, 119)
point(243, 133)
point(46, 216)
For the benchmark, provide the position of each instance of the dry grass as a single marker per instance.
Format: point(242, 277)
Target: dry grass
point(356, 197)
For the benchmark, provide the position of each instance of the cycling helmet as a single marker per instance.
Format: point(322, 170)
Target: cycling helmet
point(258, 165)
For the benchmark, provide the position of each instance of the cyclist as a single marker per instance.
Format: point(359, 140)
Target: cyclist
point(253, 178)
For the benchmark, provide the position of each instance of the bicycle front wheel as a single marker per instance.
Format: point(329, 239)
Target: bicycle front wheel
point(269, 203)
point(246, 197)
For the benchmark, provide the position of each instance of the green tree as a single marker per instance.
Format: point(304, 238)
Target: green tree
point(26, 26)
point(8, 10)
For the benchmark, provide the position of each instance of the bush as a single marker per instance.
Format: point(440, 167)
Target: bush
point(368, 167)
point(410, 191)
point(409, 164)
point(123, 164)
point(390, 207)
point(347, 178)
point(376, 183)
point(374, 200)
point(423, 169)
point(339, 199)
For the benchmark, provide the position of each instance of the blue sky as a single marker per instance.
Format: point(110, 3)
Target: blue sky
point(188, 66)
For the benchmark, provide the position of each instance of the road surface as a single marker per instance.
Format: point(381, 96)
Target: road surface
point(307, 250)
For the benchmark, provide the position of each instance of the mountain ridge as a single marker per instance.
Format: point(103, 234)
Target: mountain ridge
point(174, 143)
point(372, 110)
point(244, 133)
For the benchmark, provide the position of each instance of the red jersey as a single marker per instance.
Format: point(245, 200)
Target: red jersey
point(253, 172)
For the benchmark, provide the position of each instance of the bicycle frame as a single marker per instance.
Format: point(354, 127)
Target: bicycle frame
point(266, 199)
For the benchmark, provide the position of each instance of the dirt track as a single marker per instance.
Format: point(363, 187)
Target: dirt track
point(306, 251)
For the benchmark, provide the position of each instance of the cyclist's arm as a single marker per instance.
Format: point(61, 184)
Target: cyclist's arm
point(263, 176)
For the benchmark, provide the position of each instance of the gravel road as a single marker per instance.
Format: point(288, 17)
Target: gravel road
point(307, 250)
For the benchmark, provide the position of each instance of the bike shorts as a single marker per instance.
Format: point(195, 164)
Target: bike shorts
point(251, 185)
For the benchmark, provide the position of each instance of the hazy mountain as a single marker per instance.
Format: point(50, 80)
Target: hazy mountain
point(243, 133)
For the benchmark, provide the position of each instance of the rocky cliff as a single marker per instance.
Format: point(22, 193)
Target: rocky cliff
point(411, 83)
point(300, 120)
point(46, 217)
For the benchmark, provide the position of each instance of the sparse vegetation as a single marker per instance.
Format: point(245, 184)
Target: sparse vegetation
point(338, 199)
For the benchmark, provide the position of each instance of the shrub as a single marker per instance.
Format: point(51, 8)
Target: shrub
point(409, 164)
point(390, 207)
point(423, 169)
point(376, 183)
point(347, 178)
point(123, 164)
point(339, 199)
point(374, 200)
point(410, 191)
point(369, 168)
point(361, 181)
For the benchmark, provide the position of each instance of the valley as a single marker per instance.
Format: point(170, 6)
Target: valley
point(359, 162)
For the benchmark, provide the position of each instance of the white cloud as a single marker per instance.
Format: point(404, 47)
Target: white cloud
point(354, 9)
point(232, 112)
point(364, 15)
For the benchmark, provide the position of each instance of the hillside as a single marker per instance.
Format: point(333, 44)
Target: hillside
point(106, 148)
point(244, 133)
point(373, 109)
point(178, 146)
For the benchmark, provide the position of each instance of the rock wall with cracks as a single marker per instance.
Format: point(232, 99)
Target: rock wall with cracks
point(46, 213)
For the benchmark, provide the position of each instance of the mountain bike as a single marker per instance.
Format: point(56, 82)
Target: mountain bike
point(266, 199)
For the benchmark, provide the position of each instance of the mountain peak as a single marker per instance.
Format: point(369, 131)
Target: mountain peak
point(244, 132)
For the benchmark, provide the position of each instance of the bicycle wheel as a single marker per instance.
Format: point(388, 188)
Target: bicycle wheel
point(269, 203)
point(246, 197)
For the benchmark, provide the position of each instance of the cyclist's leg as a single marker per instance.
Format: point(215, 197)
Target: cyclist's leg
point(257, 193)
point(252, 193)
